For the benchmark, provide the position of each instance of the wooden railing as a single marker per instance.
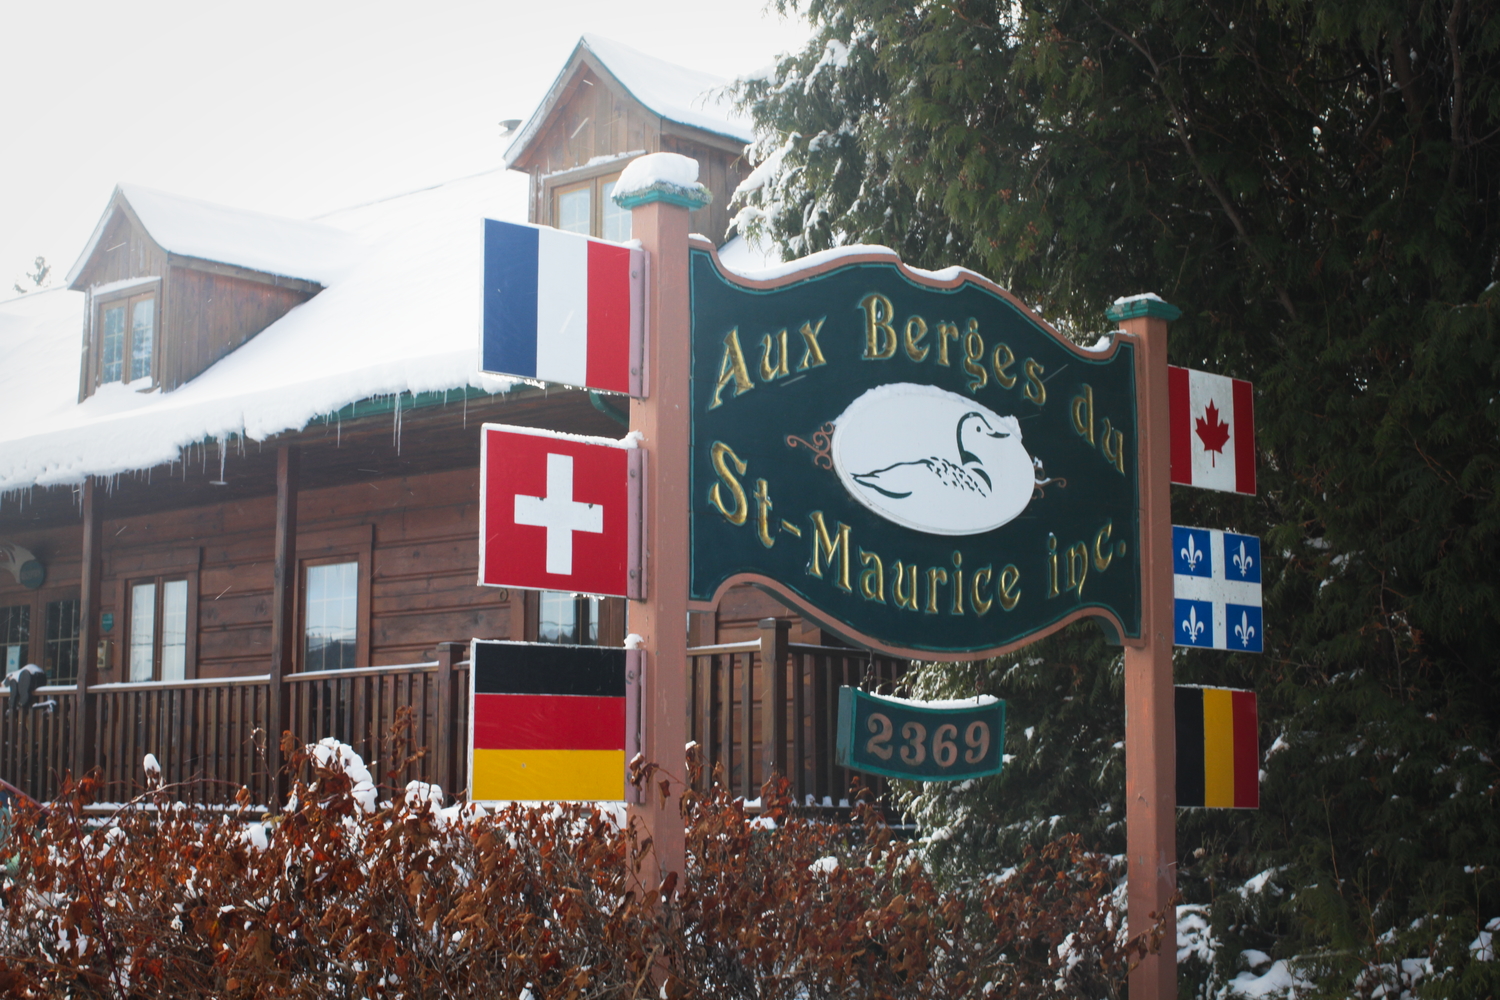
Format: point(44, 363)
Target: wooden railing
point(759, 707)
point(771, 706)
point(208, 735)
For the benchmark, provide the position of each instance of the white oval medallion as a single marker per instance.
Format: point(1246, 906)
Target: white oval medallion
point(932, 460)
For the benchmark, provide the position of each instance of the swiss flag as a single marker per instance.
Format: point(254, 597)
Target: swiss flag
point(1213, 431)
point(558, 511)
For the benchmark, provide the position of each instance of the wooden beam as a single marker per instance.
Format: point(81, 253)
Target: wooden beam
point(448, 748)
point(283, 609)
point(85, 717)
point(775, 634)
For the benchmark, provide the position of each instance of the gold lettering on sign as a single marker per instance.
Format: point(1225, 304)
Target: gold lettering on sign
point(826, 546)
point(958, 583)
point(812, 354)
point(790, 528)
point(768, 346)
point(977, 586)
point(935, 576)
point(723, 457)
point(1083, 414)
point(1010, 594)
point(1035, 390)
point(763, 513)
point(1052, 590)
point(1113, 447)
point(872, 577)
point(1078, 566)
point(1104, 552)
point(946, 331)
point(1001, 361)
point(732, 368)
point(880, 335)
point(904, 587)
point(974, 357)
point(915, 333)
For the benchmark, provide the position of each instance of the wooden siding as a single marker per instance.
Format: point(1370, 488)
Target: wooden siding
point(208, 315)
point(424, 561)
point(595, 117)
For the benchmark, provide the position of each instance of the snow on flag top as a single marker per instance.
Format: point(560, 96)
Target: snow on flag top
point(1213, 431)
point(560, 307)
point(559, 511)
point(1216, 590)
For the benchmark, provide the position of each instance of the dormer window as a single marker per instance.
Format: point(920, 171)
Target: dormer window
point(588, 208)
point(127, 338)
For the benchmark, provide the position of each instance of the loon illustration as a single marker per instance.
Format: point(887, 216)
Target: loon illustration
point(937, 474)
point(932, 460)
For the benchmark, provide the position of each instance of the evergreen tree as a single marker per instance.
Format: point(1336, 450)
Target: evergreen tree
point(38, 278)
point(1315, 186)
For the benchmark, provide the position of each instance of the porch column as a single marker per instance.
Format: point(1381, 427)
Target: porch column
point(283, 612)
point(85, 718)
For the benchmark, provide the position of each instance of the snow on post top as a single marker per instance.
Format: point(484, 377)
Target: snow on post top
point(669, 177)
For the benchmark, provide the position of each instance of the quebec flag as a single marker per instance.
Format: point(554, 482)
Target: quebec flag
point(559, 307)
point(1216, 590)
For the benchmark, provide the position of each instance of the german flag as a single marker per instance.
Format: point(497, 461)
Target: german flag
point(548, 722)
point(1218, 748)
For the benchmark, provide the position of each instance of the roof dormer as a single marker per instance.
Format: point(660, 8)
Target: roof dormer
point(174, 284)
point(609, 105)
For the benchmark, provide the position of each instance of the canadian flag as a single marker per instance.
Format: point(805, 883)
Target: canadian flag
point(1213, 431)
point(559, 511)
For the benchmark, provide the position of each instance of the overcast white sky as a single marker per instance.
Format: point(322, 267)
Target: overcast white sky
point(297, 107)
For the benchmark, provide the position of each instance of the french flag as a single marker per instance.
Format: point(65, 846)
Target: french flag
point(560, 307)
point(1213, 430)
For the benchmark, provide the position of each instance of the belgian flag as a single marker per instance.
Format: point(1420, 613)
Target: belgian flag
point(1218, 748)
point(547, 722)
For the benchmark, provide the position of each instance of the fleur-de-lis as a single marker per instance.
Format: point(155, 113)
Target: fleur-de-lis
point(1191, 625)
point(1192, 554)
point(1244, 560)
point(1244, 631)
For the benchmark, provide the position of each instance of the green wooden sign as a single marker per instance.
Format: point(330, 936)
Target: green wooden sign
point(913, 459)
point(927, 742)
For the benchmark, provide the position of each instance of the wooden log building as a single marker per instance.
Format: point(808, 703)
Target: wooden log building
point(239, 476)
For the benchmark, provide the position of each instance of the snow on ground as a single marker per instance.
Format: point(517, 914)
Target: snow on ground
point(403, 318)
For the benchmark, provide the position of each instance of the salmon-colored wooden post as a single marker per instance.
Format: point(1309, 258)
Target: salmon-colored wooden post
point(1150, 734)
point(659, 219)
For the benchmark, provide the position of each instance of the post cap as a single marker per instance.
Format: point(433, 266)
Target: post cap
point(1135, 306)
point(668, 177)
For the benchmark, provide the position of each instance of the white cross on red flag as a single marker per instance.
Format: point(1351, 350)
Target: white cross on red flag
point(559, 511)
point(1213, 430)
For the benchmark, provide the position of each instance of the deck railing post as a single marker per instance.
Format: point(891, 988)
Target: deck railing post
point(775, 636)
point(448, 736)
point(283, 613)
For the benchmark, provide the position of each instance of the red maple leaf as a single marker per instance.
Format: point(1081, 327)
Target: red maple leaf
point(1213, 432)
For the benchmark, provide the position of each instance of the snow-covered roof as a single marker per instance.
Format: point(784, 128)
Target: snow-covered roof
point(290, 248)
point(402, 317)
point(676, 93)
